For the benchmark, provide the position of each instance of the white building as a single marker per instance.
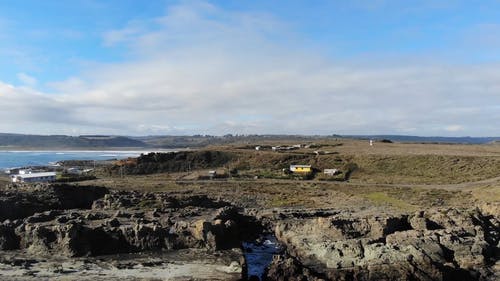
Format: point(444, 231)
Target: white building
point(34, 177)
point(25, 171)
point(331, 172)
point(212, 174)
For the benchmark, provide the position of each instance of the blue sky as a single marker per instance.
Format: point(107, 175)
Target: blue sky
point(216, 67)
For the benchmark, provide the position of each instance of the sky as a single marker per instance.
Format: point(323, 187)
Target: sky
point(427, 67)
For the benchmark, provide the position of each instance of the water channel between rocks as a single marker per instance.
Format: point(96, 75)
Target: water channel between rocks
point(259, 254)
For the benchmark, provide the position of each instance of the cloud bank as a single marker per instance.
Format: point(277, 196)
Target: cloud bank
point(203, 70)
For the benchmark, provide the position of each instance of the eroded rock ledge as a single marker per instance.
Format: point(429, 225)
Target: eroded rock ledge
point(124, 223)
point(437, 244)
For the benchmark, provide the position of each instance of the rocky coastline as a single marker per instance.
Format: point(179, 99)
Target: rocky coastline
point(92, 233)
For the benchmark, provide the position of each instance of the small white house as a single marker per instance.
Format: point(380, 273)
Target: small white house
point(331, 172)
point(212, 174)
point(34, 177)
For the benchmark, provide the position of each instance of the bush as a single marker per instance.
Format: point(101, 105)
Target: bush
point(350, 168)
point(75, 178)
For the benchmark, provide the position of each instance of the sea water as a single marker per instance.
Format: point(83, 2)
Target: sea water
point(12, 159)
point(258, 255)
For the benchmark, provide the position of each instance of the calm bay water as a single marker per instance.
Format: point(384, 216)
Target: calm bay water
point(10, 159)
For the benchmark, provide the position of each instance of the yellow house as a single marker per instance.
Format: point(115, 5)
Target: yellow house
point(300, 169)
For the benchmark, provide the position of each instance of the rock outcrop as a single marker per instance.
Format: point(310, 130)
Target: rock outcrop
point(25, 200)
point(120, 222)
point(439, 244)
point(126, 222)
point(44, 224)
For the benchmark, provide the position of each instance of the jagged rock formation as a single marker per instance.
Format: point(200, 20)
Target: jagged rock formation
point(40, 225)
point(438, 244)
point(118, 223)
point(123, 223)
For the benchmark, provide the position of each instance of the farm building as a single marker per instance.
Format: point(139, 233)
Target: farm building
point(34, 177)
point(331, 172)
point(304, 169)
point(212, 174)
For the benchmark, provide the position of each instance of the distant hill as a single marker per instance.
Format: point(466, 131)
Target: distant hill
point(400, 138)
point(205, 140)
point(61, 141)
point(103, 141)
point(202, 141)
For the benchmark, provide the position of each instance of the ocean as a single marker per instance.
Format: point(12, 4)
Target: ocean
point(12, 159)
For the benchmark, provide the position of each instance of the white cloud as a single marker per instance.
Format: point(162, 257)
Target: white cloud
point(114, 37)
point(454, 128)
point(27, 79)
point(200, 69)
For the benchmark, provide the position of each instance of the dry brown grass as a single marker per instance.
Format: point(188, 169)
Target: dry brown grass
point(379, 182)
point(304, 194)
point(356, 147)
point(424, 169)
point(362, 147)
point(401, 163)
point(487, 194)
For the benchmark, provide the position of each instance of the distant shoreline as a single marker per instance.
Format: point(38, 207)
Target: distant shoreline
point(86, 149)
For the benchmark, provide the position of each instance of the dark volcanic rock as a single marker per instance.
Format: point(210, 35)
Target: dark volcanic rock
point(78, 197)
point(320, 244)
point(8, 238)
point(122, 222)
point(172, 162)
point(284, 268)
point(23, 201)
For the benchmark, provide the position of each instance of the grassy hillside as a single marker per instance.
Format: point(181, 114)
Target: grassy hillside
point(428, 169)
point(417, 139)
point(358, 162)
point(207, 140)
